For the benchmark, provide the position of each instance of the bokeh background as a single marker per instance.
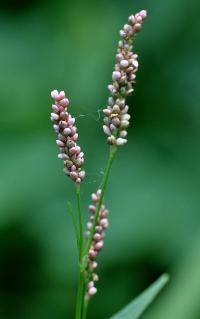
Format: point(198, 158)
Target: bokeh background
point(153, 193)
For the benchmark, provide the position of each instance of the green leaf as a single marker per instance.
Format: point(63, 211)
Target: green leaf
point(136, 307)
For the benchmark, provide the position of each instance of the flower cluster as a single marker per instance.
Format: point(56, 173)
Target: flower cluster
point(97, 242)
point(63, 124)
point(117, 118)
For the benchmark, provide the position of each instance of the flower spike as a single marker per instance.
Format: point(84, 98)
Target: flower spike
point(97, 241)
point(116, 119)
point(63, 124)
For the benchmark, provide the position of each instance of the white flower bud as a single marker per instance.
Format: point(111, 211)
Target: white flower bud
point(82, 174)
point(123, 134)
point(56, 128)
point(124, 124)
point(89, 226)
point(116, 108)
point(126, 117)
point(122, 33)
point(121, 141)
point(62, 156)
point(135, 63)
point(125, 109)
point(106, 130)
point(90, 284)
point(111, 140)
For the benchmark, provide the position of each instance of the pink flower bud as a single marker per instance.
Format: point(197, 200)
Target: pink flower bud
point(143, 14)
point(92, 208)
point(115, 121)
point(135, 63)
point(99, 191)
point(78, 180)
point(90, 284)
point(75, 137)
point(137, 27)
point(64, 102)
point(124, 63)
point(55, 107)
point(92, 254)
point(62, 156)
point(97, 237)
point(60, 143)
point(132, 19)
point(54, 116)
point(94, 197)
point(107, 112)
point(62, 95)
point(104, 213)
point(73, 175)
point(92, 291)
point(104, 223)
point(116, 75)
point(71, 121)
point(122, 33)
point(99, 245)
point(67, 131)
point(54, 94)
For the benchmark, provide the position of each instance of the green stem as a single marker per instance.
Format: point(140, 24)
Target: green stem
point(80, 296)
point(85, 307)
point(71, 211)
point(81, 305)
point(112, 153)
point(80, 218)
point(80, 293)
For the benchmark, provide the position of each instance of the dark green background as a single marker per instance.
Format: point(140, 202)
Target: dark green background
point(153, 193)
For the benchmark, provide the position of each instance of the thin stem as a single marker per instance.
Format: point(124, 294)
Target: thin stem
point(80, 218)
point(71, 211)
point(112, 153)
point(80, 293)
point(81, 305)
point(85, 308)
point(79, 300)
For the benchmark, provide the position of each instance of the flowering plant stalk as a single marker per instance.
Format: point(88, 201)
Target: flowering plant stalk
point(116, 122)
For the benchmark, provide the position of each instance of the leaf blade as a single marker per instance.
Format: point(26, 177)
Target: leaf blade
point(137, 307)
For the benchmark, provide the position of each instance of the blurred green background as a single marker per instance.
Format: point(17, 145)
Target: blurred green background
point(153, 193)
